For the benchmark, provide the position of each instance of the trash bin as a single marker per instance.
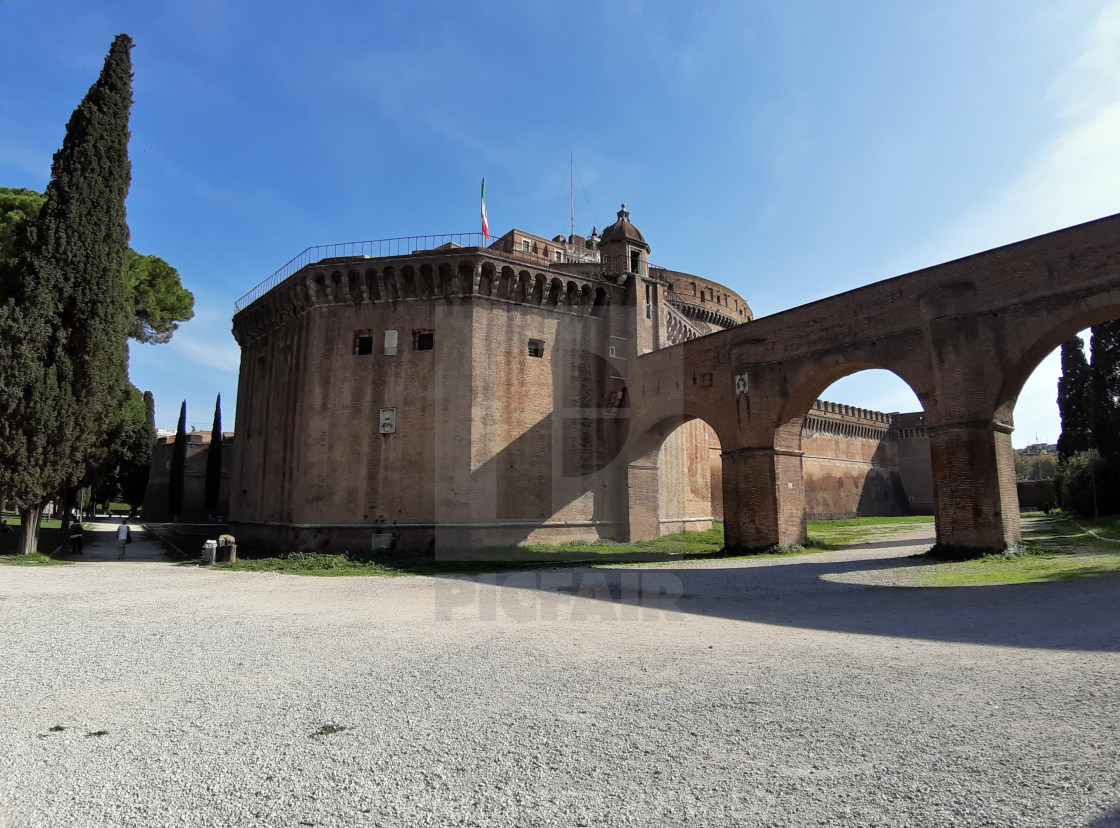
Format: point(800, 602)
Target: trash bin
point(208, 551)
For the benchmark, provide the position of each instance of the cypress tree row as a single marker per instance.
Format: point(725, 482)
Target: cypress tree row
point(65, 307)
point(1075, 400)
point(177, 480)
point(214, 461)
point(1105, 369)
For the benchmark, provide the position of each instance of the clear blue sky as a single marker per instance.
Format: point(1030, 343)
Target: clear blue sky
point(787, 150)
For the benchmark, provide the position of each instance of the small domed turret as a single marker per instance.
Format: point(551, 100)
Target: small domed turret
point(623, 230)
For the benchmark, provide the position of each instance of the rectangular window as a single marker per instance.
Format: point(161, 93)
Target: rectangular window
point(558, 255)
point(363, 343)
point(422, 340)
point(525, 248)
point(536, 348)
point(635, 261)
point(390, 343)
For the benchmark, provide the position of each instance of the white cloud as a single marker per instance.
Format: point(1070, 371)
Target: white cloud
point(223, 356)
point(1074, 176)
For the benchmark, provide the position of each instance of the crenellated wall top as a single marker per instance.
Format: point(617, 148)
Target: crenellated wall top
point(427, 275)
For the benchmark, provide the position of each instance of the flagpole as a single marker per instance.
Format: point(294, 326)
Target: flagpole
point(485, 222)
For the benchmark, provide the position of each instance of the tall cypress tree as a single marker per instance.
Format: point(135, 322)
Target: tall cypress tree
point(65, 306)
point(177, 480)
point(135, 450)
point(214, 460)
point(1105, 367)
point(1075, 400)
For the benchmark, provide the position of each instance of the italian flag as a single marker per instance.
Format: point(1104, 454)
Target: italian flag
point(485, 223)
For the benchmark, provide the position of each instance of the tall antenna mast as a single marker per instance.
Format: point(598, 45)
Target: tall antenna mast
point(572, 190)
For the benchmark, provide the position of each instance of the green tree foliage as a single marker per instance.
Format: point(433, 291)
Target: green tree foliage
point(1106, 391)
point(1075, 400)
point(65, 308)
point(214, 460)
point(1079, 484)
point(1035, 466)
point(16, 206)
point(161, 301)
point(177, 481)
point(130, 454)
point(159, 298)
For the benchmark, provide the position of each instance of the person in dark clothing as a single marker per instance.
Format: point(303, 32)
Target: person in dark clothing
point(76, 532)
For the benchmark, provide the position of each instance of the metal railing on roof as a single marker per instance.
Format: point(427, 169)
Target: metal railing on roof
point(402, 246)
point(408, 245)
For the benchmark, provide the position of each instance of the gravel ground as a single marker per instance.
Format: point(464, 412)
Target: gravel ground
point(784, 692)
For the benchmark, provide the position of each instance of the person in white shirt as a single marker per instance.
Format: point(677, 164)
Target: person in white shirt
point(124, 536)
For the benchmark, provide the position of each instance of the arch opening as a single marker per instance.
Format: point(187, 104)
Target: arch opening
point(865, 449)
point(677, 484)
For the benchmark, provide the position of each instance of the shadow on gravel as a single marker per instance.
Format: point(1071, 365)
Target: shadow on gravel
point(1111, 820)
point(796, 592)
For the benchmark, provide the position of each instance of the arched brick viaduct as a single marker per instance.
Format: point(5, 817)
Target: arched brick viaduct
point(964, 335)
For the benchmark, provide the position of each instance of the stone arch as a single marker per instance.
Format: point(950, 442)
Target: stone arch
point(425, 283)
point(813, 377)
point(354, 287)
point(539, 287)
point(1039, 343)
point(372, 285)
point(408, 283)
point(571, 295)
point(584, 298)
point(672, 472)
point(446, 277)
point(336, 287)
point(464, 277)
point(486, 280)
point(600, 303)
point(505, 283)
point(389, 284)
point(521, 288)
point(555, 293)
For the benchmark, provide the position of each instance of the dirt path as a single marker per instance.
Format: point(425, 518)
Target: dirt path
point(100, 544)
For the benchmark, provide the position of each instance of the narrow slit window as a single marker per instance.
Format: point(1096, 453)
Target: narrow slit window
point(536, 347)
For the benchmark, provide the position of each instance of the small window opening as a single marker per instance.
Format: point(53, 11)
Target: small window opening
point(363, 343)
point(536, 348)
point(422, 340)
point(526, 246)
point(558, 256)
point(635, 261)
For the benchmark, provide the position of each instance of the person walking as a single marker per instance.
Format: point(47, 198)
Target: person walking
point(76, 537)
point(124, 537)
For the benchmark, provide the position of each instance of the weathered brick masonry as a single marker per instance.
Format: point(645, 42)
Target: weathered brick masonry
point(461, 397)
point(964, 335)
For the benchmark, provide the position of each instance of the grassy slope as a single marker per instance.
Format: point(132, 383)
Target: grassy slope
point(1054, 549)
